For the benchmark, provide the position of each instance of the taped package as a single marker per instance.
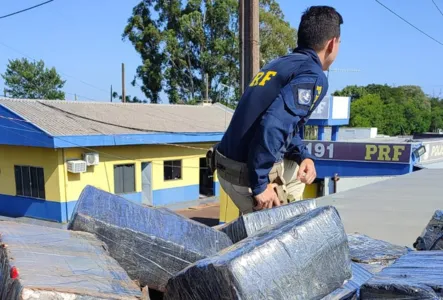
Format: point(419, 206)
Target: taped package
point(351, 289)
point(48, 263)
point(376, 254)
point(305, 257)
point(432, 236)
point(416, 275)
point(150, 244)
point(247, 225)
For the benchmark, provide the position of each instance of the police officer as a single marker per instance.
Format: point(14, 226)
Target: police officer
point(261, 160)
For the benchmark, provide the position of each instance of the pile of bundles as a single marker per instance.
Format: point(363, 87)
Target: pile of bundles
point(411, 275)
point(296, 251)
point(39, 262)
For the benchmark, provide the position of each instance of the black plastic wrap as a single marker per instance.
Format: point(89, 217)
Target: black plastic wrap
point(247, 225)
point(351, 289)
point(150, 244)
point(59, 264)
point(416, 275)
point(305, 257)
point(364, 249)
point(432, 236)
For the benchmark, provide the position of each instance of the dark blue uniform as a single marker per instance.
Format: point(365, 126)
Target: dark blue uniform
point(276, 105)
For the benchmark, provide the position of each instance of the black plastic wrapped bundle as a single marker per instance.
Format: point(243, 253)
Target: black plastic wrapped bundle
point(247, 225)
point(416, 275)
point(364, 249)
point(59, 264)
point(351, 289)
point(150, 244)
point(305, 257)
point(432, 236)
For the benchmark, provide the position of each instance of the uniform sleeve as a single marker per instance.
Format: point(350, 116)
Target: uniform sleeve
point(298, 151)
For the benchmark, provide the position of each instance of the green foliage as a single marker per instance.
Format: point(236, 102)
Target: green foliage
point(393, 110)
point(128, 98)
point(25, 79)
point(179, 42)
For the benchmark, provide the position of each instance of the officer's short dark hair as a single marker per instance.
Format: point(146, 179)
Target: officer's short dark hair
point(318, 25)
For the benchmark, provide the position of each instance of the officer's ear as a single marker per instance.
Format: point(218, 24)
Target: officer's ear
point(332, 45)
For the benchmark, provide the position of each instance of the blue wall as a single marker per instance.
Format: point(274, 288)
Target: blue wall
point(175, 195)
point(327, 168)
point(15, 206)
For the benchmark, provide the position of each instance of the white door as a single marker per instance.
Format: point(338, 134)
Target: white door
point(147, 183)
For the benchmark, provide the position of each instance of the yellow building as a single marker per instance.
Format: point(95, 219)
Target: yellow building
point(151, 154)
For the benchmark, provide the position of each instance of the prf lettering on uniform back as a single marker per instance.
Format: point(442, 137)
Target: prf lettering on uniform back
point(383, 152)
point(261, 78)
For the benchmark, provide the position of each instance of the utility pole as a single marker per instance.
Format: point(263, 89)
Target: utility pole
point(123, 83)
point(207, 87)
point(111, 93)
point(249, 41)
point(75, 97)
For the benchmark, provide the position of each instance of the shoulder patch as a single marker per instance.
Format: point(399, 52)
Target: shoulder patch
point(303, 94)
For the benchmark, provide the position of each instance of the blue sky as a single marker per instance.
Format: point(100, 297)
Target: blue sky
point(82, 39)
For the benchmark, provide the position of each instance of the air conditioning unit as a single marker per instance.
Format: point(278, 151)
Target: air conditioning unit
point(91, 159)
point(76, 166)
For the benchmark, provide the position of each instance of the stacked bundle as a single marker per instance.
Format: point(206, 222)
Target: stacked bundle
point(304, 257)
point(48, 263)
point(150, 244)
point(416, 275)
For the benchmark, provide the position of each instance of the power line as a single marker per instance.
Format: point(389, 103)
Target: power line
point(435, 40)
point(437, 7)
point(26, 9)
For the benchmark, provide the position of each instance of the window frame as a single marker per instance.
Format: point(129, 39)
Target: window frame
point(39, 180)
point(171, 165)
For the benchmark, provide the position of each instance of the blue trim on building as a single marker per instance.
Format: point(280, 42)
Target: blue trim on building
point(135, 197)
point(327, 168)
point(21, 133)
point(217, 188)
point(68, 209)
point(14, 206)
point(134, 139)
point(175, 195)
point(330, 122)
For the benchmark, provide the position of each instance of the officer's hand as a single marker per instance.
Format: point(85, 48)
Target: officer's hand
point(268, 198)
point(306, 172)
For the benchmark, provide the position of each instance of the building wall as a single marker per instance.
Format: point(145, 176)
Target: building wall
point(17, 206)
point(63, 188)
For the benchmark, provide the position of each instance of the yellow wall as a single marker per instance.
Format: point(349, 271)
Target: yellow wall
point(102, 176)
point(64, 186)
point(49, 159)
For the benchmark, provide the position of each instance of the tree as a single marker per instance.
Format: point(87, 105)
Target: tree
point(182, 42)
point(25, 79)
point(393, 110)
point(367, 112)
point(128, 98)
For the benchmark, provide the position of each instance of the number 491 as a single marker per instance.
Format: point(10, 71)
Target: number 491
point(320, 150)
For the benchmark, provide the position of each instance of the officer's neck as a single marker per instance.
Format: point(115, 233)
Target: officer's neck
point(319, 57)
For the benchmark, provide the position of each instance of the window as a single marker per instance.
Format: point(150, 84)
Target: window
point(29, 182)
point(124, 179)
point(172, 169)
